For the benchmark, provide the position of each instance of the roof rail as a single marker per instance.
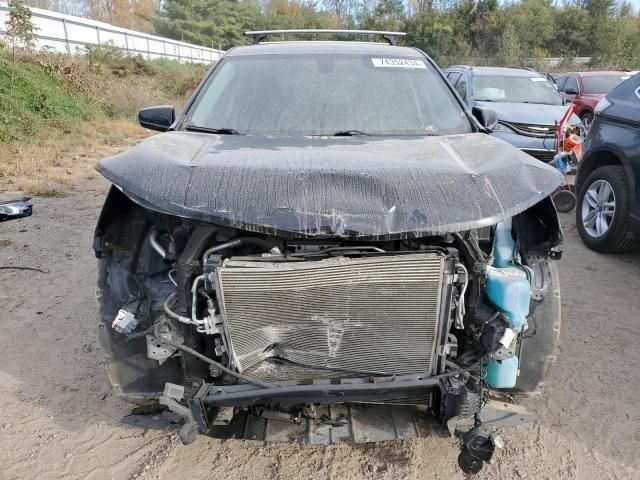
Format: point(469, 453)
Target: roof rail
point(261, 36)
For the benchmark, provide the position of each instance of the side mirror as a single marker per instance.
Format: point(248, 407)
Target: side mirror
point(158, 118)
point(571, 91)
point(486, 116)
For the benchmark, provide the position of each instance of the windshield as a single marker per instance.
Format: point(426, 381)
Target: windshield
point(602, 84)
point(320, 94)
point(489, 88)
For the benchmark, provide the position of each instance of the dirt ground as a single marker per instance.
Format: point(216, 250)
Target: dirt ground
point(58, 418)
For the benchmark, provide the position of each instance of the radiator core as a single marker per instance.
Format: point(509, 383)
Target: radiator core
point(367, 315)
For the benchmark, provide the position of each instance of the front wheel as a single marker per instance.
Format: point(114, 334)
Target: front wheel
point(602, 216)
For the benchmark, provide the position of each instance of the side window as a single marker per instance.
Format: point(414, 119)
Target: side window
point(461, 87)
point(453, 77)
point(572, 83)
point(560, 81)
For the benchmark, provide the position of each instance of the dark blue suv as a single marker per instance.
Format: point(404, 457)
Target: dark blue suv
point(608, 181)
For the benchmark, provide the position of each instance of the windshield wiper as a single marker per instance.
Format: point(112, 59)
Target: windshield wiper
point(219, 131)
point(349, 133)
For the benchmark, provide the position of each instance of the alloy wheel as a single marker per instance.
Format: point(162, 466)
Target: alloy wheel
point(598, 208)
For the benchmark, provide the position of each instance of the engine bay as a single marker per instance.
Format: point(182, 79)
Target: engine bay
point(232, 326)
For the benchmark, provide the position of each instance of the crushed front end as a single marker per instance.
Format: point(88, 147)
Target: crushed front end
point(325, 338)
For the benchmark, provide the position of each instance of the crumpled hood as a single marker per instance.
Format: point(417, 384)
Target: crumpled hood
point(344, 187)
point(529, 113)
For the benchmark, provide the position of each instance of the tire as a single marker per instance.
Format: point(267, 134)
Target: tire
point(607, 230)
point(587, 120)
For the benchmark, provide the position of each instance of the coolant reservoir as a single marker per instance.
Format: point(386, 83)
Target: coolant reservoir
point(510, 291)
point(507, 287)
point(502, 373)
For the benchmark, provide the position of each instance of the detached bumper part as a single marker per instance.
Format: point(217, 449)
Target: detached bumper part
point(13, 209)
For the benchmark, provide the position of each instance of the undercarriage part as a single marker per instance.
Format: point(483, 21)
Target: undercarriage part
point(329, 425)
point(495, 413)
point(224, 416)
point(377, 314)
point(477, 448)
point(171, 398)
point(461, 398)
point(160, 350)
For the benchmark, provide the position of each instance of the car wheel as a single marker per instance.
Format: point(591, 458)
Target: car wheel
point(587, 120)
point(603, 211)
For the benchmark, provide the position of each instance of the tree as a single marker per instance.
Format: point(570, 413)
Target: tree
point(571, 37)
point(438, 35)
point(293, 14)
point(133, 14)
point(532, 22)
point(21, 32)
point(385, 15)
point(343, 11)
point(510, 48)
point(211, 23)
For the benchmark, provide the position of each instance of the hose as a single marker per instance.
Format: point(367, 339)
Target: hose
point(153, 240)
point(173, 314)
point(460, 310)
point(208, 360)
point(266, 244)
point(194, 299)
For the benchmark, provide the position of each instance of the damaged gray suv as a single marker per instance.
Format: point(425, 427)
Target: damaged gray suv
point(326, 245)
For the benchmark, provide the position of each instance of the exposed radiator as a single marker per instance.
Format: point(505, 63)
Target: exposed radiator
point(366, 315)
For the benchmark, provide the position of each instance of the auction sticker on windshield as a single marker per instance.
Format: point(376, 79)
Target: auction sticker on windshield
point(398, 63)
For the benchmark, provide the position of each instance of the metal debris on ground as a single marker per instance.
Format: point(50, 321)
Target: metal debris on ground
point(13, 209)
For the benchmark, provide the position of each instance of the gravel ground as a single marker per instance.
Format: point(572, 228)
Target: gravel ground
point(58, 418)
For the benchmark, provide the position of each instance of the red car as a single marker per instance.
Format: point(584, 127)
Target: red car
point(585, 89)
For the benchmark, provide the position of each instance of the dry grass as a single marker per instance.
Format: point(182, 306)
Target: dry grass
point(40, 187)
point(49, 155)
point(45, 165)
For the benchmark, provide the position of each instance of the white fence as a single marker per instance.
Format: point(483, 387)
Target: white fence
point(66, 33)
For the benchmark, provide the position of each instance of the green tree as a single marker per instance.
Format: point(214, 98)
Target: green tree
point(385, 15)
point(437, 34)
point(293, 14)
point(21, 32)
point(571, 37)
point(211, 23)
point(510, 48)
point(532, 22)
